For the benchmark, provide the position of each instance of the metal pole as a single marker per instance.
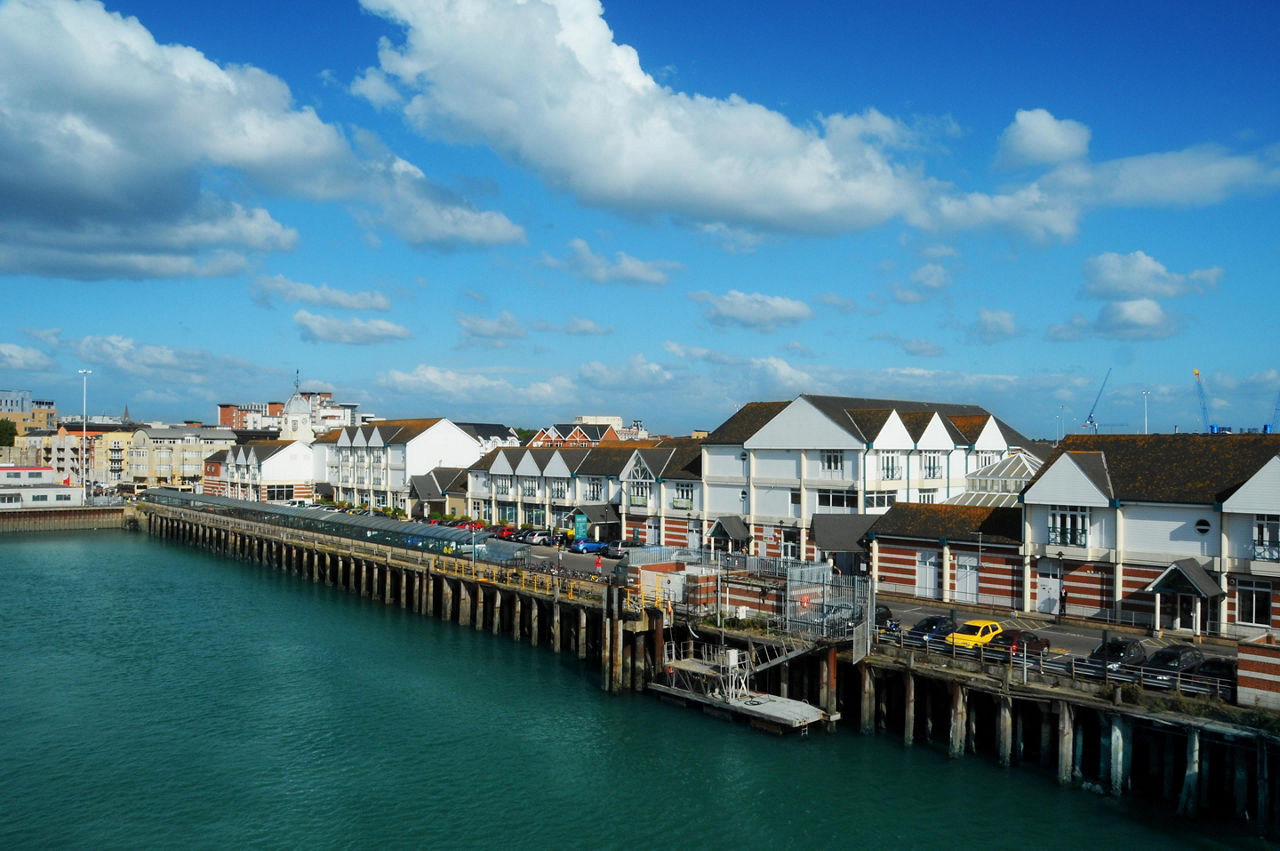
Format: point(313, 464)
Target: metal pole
point(1145, 394)
point(84, 427)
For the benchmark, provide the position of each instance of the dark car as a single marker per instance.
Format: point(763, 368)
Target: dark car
point(1168, 664)
point(617, 549)
point(1019, 642)
point(586, 546)
point(885, 621)
point(1219, 672)
point(1117, 652)
point(932, 628)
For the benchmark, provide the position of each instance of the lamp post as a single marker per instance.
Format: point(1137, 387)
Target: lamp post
point(84, 428)
point(1145, 394)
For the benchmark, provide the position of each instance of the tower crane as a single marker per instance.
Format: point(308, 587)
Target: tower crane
point(1204, 407)
point(1089, 421)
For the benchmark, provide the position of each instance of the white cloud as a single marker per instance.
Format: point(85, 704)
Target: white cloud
point(939, 251)
point(931, 276)
point(753, 310)
point(374, 87)
point(192, 369)
point(918, 346)
point(498, 331)
point(995, 325)
point(576, 326)
point(835, 301)
point(474, 386)
point(13, 356)
point(546, 85)
point(117, 149)
point(1029, 210)
point(698, 353)
point(287, 290)
point(1136, 319)
point(1138, 275)
point(588, 266)
point(1035, 138)
point(732, 240)
point(48, 336)
point(328, 329)
point(636, 372)
point(777, 374)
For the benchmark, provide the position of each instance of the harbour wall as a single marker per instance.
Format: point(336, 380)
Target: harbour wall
point(66, 519)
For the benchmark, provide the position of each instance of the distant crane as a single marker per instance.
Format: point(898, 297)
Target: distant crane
point(1204, 407)
point(1089, 421)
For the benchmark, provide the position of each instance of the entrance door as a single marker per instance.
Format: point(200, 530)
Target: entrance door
point(966, 579)
point(1048, 587)
point(928, 572)
point(1186, 610)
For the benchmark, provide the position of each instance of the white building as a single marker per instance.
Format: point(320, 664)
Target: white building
point(36, 487)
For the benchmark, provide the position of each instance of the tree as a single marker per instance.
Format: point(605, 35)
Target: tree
point(8, 431)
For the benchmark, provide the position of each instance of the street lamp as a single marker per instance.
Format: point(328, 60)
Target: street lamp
point(84, 428)
point(1145, 394)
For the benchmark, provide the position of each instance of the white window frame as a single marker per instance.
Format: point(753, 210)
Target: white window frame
point(1068, 526)
point(891, 465)
point(933, 464)
point(832, 463)
point(1248, 597)
point(1266, 537)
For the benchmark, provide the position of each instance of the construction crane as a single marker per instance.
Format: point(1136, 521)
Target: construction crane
point(1204, 407)
point(1089, 421)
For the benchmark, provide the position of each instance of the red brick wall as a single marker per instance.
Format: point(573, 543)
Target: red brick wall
point(1259, 683)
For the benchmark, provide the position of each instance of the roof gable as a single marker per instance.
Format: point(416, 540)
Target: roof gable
point(800, 425)
point(1072, 479)
point(1260, 494)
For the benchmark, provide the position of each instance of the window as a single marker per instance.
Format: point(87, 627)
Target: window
point(279, 493)
point(1253, 602)
point(13, 475)
point(33, 475)
point(529, 487)
point(40, 497)
point(502, 485)
point(640, 493)
point(931, 464)
point(684, 495)
point(928, 497)
point(881, 499)
point(558, 488)
point(838, 500)
point(1069, 525)
point(986, 457)
point(594, 489)
point(62, 497)
point(833, 463)
point(891, 465)
point(1266, 537)
point(9, 498)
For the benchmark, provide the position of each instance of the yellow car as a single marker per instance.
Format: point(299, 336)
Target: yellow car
point(974, 633)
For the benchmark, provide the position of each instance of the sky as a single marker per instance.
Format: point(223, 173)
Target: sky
point(522, 212)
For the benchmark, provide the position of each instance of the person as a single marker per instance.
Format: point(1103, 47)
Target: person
point(1062, 605)
point(597, 562)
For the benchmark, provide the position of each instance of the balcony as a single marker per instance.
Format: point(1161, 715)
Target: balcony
point(678, 502)
point(1266, 552)
point(637, 500)
point(1068, 537)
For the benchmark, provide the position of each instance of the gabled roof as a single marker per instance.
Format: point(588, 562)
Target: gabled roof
point(219, 457)
point(487, 431)
point(684, 460)
point(916, 422)
point(953, 522)
point(604, 461)
point(1185, 575)
point(745, 422)
point(434, 484)
point(841, 533)
point(1194, 469)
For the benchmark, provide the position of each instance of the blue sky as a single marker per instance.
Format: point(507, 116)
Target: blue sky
point(522, 212)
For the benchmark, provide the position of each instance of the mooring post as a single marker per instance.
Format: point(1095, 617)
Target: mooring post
point(1004, 731)
point(464, 603)
point(533, 621)
point(833, 688)
point(582, 633)
point(431, 591)
point(1066, 743)
point(497, 610)
point(517, 617)
point(1121, 754)
point(867, 721)
point(1189, 799)
point(908, 708)
point(822, 684)
point(784, 674)
point(404, 589)
point(1263, 814)
point(446, 599)
point(616, 672)
point(480, 595)
point(959, 720)
point(555, 626)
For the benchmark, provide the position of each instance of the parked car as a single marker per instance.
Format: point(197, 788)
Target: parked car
point(587, 546)
point(1018, 642)
point(974, 633)
point(932, 628)
point(885, 621)
point(1219, 671)
point(617, 549)
point(1117, 652)
point(1167, 664)
point(539, 538)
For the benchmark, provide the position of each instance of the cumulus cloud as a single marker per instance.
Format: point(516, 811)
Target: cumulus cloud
point(752, 310)
point(931, 276)
point(162, 365)
point(1035, 138)
point(1138, 275)
point(287, 290)
point(636, 372)
point(498, 331)
point(586, 265)
point(994, 326)
point(1135, 319)
point(474, 386)
point(360, 332)
point(698, 353)
point(835, 301)
point(576, 326)
point(546, 85)
point(117, 149)
point(918, 346)
point(13, 356)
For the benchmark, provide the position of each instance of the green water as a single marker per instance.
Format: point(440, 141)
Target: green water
point(156, 697)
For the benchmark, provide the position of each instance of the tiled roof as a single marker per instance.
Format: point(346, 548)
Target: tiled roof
point(604, 461)
point(1195, 469)
point(952, 522)
point(745, 422)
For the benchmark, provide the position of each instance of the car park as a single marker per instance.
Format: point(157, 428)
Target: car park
point(538, 538)
point(617, 549)
point(1020, 642)
point(885, 621)
point(974, 633)
point(1219, 673)
point(1115, 653)
point(1169, 664)
point(932, 628)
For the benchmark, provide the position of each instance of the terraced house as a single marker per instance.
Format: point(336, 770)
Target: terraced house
point(1172, 531)
point(773, 466)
